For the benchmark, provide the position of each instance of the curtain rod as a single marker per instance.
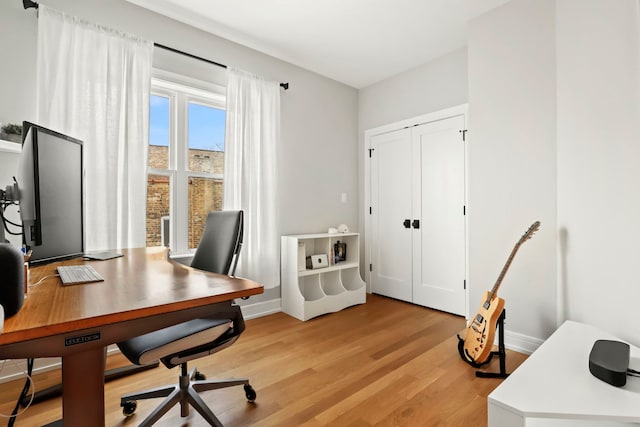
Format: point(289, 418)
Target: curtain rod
point(28, 4)
point(284, 86)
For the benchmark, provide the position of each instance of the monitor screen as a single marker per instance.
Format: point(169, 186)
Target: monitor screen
point(50, 186)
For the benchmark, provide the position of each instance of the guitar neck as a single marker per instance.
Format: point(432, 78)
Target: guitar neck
point(494, 290)
point(527, 235)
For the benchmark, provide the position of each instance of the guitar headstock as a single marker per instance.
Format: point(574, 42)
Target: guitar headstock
point(530, 232)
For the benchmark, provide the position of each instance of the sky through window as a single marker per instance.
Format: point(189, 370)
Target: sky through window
point(206, 125)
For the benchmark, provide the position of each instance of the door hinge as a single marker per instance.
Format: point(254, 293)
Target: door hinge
point(464, 209)
point(370, 211)
point(371, 151)
point(464, 134)
point(464, 283)
point(370, 267)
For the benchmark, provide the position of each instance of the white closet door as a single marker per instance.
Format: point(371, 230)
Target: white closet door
point(439, 254)
point(391, 205)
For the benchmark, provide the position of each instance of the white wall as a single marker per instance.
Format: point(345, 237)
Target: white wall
point(434, 86)
point(512, 162)
point(318, 151)
point(598, 68)
point(18, 71)
point(554, 107)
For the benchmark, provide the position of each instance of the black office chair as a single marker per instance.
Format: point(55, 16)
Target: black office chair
point(176, 345)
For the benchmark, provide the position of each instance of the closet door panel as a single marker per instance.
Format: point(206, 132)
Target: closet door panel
point(391, 244)
point(439, 253)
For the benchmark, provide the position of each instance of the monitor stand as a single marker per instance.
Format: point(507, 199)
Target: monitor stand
point(101, 256)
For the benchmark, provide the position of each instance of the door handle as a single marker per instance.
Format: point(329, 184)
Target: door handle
point(407, 223)
point(416, 223)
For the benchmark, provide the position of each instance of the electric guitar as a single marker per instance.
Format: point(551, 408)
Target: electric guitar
point(476, 347)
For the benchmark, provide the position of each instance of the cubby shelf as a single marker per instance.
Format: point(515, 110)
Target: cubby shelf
point(308, 293)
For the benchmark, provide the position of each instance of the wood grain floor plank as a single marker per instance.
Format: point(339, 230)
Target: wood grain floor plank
point(383, 363)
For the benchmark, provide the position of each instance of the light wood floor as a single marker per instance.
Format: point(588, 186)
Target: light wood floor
point(384, 363)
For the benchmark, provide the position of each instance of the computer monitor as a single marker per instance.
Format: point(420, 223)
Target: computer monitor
point(50, 191)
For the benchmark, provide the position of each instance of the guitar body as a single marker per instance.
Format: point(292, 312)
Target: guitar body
point(481, 332)
point(475, 348)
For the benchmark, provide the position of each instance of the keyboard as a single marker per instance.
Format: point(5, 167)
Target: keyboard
point(74, 274)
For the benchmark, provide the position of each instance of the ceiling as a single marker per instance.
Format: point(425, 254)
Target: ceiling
point(356, 42)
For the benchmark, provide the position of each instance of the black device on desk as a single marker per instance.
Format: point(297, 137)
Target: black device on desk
point(11, 279)
point(609, 361)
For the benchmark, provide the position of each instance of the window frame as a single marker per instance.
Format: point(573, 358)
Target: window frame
point(181, 91)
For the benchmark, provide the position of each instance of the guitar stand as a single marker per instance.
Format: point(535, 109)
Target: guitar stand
point(501, 353)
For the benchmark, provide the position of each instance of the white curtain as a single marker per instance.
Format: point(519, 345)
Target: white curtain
point(250, 171)
point(93, 83)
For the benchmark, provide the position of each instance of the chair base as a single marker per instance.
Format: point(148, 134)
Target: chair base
point(185, 393)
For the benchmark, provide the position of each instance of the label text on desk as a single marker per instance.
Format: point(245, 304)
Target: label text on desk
point(82, 339)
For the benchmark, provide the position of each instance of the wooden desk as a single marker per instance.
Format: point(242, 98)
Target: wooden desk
point(142, 292)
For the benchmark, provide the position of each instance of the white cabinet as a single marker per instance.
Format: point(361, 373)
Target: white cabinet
point(308, 293)
point(554, 387)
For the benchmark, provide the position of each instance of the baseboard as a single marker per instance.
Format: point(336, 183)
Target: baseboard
point(263, 308)
point(521, 343)
point(16, 369)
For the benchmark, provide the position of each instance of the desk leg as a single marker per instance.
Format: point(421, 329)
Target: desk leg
point(83, 388)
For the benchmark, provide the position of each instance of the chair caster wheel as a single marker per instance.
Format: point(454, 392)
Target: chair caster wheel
point(199, 376)
point(250, 393)
point(128, 408)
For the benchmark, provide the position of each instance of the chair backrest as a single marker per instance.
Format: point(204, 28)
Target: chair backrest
point(220, 244)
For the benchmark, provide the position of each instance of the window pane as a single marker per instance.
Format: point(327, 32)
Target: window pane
point(159, 131)
point(206, 138)
point(205, 195)
point(158, 205)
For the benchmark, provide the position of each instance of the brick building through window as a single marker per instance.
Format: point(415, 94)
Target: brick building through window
point(205, 194)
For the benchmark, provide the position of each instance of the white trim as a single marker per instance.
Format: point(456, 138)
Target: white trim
point(179, 83)
point(458, 110)
point(16, 369)
point(9, 147)
point(260, 309)
point(521, 343)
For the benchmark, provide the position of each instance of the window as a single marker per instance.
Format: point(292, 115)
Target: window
point(186, 161)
